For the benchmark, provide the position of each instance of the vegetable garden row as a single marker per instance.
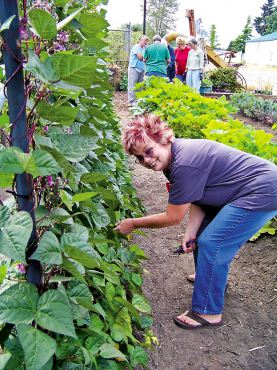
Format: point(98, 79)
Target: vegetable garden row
point(86, 309)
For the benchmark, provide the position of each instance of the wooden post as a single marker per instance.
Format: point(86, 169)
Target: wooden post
point(190, 16)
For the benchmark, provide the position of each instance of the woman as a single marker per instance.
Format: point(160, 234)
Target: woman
point(195, 64)
point(181, 57)
point(204, 175)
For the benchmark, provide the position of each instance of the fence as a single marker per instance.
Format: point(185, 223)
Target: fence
point(120, 44)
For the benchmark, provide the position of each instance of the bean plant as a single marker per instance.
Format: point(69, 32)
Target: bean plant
point(88, 312)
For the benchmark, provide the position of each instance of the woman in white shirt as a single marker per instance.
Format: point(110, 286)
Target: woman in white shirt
point(195, 64)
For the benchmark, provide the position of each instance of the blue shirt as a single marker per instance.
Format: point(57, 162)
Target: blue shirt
point(134, 60)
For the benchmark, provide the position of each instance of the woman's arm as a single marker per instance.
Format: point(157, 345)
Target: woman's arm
point(173, 215)
point(196, 217)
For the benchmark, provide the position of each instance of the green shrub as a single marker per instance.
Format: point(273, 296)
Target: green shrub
point(224, 79)
point(185, 110)
point(123, 86)
point(257, 108)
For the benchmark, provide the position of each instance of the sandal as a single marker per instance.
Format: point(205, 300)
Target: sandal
point(190, 279)
point(202, 322)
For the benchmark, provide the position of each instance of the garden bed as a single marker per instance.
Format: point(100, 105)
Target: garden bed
point(246, 339)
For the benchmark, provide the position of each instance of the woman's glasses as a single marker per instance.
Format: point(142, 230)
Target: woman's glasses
point(149, 153)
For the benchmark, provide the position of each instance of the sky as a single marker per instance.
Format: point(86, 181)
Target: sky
point(229, 16)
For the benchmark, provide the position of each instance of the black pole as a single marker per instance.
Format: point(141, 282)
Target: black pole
point(13, 60)
point(144, 18)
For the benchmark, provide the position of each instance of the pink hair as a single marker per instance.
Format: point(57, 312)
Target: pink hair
point(145, 127)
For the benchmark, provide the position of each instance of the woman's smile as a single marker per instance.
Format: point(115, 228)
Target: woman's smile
point(153, 155)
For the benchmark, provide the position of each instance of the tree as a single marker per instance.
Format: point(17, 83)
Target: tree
point(239, 43)
point(161, 15)
point(213, 38)
point(260, 23)
point(271, 22)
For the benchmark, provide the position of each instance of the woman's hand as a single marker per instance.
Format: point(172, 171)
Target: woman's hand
point(188, 248)
point(125, 226)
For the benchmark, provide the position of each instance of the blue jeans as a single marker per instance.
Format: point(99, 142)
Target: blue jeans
point(193, 79)
point(134, 77)
point(157, 74)
point(217, 246)
point(182, 78)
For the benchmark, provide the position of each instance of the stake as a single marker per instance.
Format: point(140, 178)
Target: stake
point(13, 60)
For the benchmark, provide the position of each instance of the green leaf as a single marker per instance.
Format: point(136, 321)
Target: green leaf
point(18, 303)
point(141, 303)
point(6, 180)
point(75, 69)
point(62, 216)
point(100, 216)
point(49, 250)
point(80, 197)
point(15, 235)
point(137, 279)
point(69, 18)
point(129, 306)
point(42, 163)
point(10, 161)
point(43, 71)
point(4, 216)
point(94, 342)
point(61, 2)
point(72, 269)
point(117, 332)
point(106, 194)
point(93, 177)
point(3, 273)
point(92, 23)
point(43, 23)
point(82, 257)
point(4, 358)
point(109, 351)
point(60, 158)
point(54, 313)
point(77, 290)
point(75, 148)
point(138, 356)
point(38, 347)
point(65, 115)
point(6, 25)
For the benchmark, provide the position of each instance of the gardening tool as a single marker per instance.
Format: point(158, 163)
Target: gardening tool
point(180, 249)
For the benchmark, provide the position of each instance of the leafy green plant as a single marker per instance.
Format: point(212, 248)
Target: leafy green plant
point(124, 82)
point(89, 311)
point(224, 79)
point(185, 110)
point(257, 108)
point(206, 82)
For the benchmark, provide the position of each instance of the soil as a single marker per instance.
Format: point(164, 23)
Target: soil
point(247, 337)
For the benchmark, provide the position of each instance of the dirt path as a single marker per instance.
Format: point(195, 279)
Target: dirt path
point(247, 339)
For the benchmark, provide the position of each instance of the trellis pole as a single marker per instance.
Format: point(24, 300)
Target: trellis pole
point(15, 90)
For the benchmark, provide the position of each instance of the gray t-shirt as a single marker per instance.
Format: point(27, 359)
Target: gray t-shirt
point(205, 172)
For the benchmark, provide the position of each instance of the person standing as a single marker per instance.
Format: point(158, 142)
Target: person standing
point(156, 58)
point(136, 70)
point(181, 57)
point(241, 188)
point(170, 70)
point(195, 64)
